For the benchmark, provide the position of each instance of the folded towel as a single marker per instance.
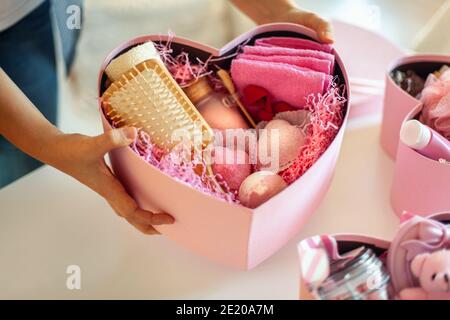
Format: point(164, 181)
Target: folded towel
point(314, 64)
point(294, 43)
point(285, 82)
point(270, 51)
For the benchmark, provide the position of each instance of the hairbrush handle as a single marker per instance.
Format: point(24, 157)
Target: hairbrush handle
point(229, 85)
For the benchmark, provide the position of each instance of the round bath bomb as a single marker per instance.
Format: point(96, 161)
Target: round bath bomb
point(260, 187)
point(281, 135)
point(232, 165)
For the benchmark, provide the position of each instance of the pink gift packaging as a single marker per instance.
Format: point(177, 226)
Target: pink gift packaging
point(420, 184)
point(226, 233)
point(398, 103)
point(393, 254)
point(345, 242)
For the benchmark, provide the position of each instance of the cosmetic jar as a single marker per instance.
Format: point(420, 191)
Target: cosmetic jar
point(358, 276)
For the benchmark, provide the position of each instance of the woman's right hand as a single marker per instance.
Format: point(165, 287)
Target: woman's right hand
point(82, 157)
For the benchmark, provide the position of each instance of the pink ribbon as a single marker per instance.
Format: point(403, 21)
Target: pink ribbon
point(433, 236)
point(329, 244)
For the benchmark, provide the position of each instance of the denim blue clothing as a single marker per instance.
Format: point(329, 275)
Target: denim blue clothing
point(63, 11)
point(27, 55)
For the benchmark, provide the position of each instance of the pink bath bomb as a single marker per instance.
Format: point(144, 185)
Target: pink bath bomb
point(232, 165)
point(281, 135)
point(260, 187)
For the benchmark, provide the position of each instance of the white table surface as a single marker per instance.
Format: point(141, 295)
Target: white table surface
point(49, 221)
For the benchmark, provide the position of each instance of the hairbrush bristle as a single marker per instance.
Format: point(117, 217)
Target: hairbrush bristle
point(148, 98)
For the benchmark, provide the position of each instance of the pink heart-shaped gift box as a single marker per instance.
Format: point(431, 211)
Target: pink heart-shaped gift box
point(394, 252)
point(227, 233)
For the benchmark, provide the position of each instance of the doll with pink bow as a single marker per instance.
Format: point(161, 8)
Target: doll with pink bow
point(415, 265)
point(429, 262)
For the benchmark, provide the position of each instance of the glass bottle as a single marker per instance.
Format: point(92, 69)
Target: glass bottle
point(218, 110)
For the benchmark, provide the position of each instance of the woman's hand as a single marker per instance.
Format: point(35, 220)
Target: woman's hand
point(267, 11)
point(82, 157)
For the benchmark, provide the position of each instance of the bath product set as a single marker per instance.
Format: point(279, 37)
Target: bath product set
point(256, 157)
point(415, 132)
point(277, 94)
point(303, 106)
point(414, 266)
point(430, 137)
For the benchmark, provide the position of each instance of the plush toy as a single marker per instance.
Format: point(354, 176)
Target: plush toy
point(433, 272)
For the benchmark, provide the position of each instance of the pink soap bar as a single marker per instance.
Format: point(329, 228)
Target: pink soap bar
point(314, 64)
point(271, 51)
point(286, 83)
point(294, 43)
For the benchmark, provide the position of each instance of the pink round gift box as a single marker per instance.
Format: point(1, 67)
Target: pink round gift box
point(420, 184)
point(398, 103)
point(226, 233)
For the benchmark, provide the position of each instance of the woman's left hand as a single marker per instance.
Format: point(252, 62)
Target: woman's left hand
point(308, 19)
point(268, 11)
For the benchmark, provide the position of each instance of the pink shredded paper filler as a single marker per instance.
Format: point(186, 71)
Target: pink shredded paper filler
point(180, 67)
point(326, 119)
point(174, 165)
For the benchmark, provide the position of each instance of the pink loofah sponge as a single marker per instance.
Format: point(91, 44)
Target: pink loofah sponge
point(436, 103)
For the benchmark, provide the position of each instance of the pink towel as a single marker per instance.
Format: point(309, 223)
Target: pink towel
point(314, 64)
point(285, 82)
point(270, 51)
point(294, 43)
